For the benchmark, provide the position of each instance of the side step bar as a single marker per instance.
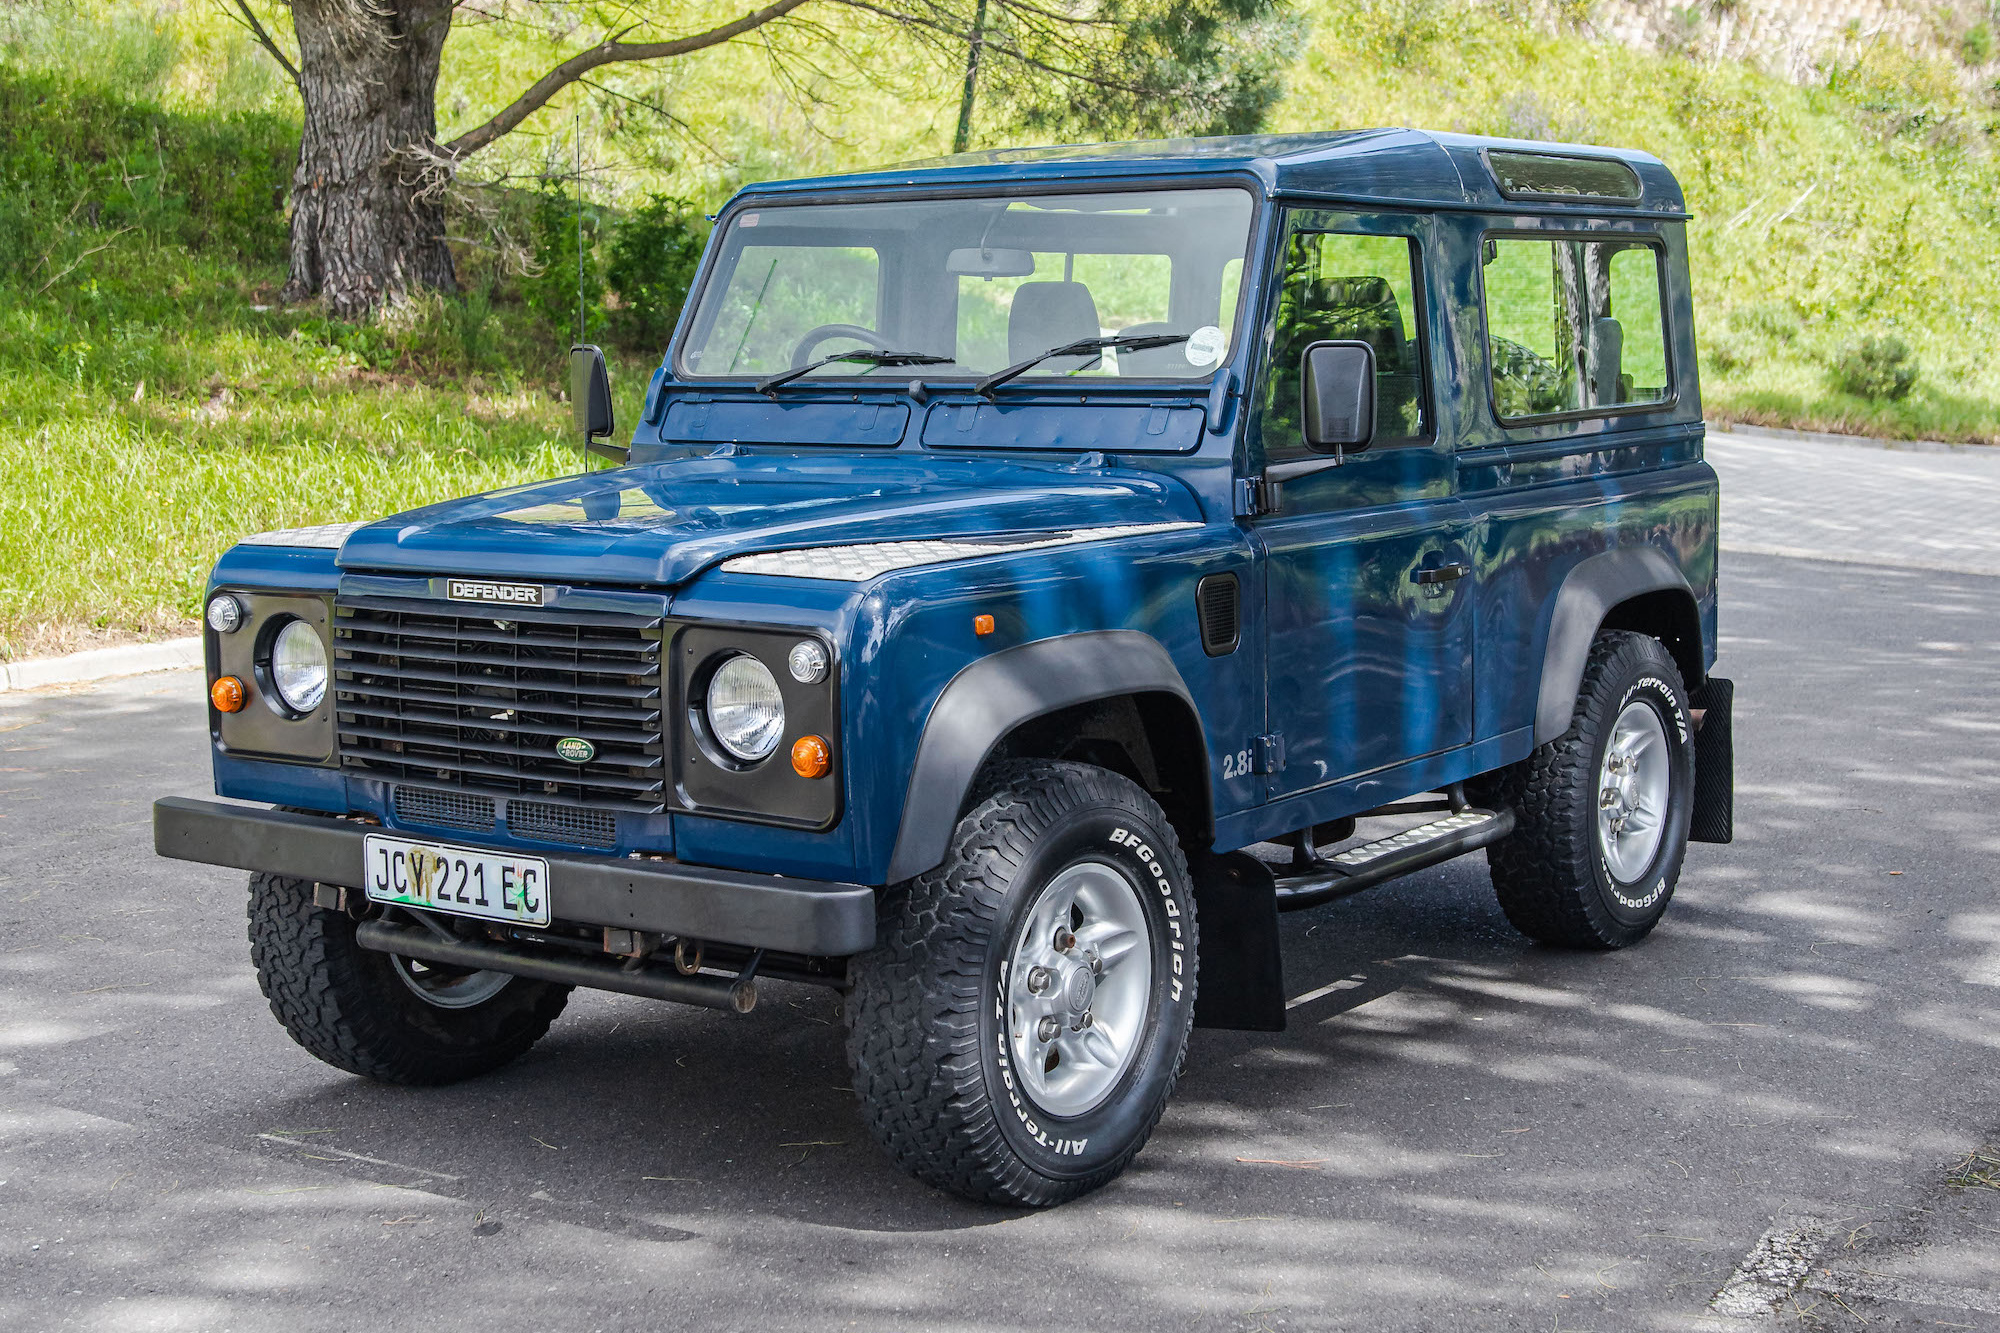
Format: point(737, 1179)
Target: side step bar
point(1372, 863)
point(738, 993)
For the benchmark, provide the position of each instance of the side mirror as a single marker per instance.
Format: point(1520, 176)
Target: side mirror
point(589, 393)
point(1337, 382)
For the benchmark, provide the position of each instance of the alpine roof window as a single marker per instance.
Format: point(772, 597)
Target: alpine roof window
point(1556, 176)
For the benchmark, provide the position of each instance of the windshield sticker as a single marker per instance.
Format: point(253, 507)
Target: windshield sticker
point(1206, 345)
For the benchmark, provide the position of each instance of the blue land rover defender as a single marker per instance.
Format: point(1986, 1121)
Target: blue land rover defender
point(1030, 573)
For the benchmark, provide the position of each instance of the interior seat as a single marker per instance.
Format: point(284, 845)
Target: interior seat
point(1169, 360)
point(1049, 314)
point(1350, 309)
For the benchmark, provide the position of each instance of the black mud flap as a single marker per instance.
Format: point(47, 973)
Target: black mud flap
point(1714, 817)
point(1241, 981)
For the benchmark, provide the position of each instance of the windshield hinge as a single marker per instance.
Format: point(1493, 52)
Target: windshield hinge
point(1254, 496)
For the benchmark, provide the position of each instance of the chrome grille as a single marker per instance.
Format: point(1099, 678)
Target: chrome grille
point(426, 695)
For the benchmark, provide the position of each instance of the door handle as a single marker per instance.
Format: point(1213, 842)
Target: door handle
point(1441, 573)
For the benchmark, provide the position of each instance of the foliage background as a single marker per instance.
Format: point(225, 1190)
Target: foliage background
point(154, 404)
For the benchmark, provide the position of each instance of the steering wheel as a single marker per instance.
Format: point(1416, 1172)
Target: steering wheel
point(814, 337)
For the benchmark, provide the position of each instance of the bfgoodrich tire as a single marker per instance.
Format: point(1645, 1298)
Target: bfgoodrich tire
point(1018, 1028)
point(381, 1017)
point(1601, 812)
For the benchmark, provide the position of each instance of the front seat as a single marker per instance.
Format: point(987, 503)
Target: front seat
point(1049, 314)
point(1168, 360)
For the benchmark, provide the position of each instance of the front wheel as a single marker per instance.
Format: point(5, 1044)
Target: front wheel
point(1017, 1031)
point(392, 1019)
point(1601, 812)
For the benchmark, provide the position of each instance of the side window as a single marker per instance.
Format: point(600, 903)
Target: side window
point(1574, 325)
point(1343, 285)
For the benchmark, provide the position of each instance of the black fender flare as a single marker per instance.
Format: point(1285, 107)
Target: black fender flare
point(1588, 593)
point(992, 696)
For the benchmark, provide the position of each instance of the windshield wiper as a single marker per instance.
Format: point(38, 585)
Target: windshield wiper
point(1126, 342)
point(860, 356)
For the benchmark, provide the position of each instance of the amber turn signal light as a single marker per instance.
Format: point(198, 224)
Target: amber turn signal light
point(982, 625)
point(811, 757)
point(227, 694)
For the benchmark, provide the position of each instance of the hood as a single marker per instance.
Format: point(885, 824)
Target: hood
point(663, 523)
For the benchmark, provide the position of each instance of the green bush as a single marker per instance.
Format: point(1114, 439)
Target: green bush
point(1975, 47)
point(1875, 367)
point(655, 250)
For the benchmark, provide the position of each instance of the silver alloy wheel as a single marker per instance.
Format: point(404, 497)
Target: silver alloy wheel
point(1079, 987)
point(1632, 790)
point(448, 987)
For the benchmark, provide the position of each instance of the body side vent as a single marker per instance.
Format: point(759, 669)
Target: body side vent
point(1217, 604)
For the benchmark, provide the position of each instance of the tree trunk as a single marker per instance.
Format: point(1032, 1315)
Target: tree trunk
point(368, 194)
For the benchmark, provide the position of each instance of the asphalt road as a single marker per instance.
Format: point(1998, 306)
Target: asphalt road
point(1467, 1131)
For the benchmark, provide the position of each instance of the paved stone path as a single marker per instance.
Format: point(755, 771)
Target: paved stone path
point(1858, 503)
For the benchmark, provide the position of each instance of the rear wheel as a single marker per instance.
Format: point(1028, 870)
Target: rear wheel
point(1601, 812)
point(1017, 1030)
point(393, 1019)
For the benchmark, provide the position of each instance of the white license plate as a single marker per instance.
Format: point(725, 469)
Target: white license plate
point(459, 880)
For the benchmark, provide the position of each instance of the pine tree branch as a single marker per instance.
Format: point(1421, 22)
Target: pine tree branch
point(264, 39)
point(607, 52)
point(995, 45)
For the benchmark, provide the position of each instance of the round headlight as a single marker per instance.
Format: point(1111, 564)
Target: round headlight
point(225, 614)
point(746, 713)
point(298, 667)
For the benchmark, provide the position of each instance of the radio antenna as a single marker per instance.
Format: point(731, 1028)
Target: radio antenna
point(581, 332)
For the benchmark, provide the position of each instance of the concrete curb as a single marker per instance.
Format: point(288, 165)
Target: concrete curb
point(1851, 441)
point(129, 659)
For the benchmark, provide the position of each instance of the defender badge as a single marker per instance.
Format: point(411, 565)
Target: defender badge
point(576, 749)
point(486, 590)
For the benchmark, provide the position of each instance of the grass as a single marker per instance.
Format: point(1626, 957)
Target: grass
point(154, 405)
point(156, 410)
point(134, 457)
point(1979, 1170)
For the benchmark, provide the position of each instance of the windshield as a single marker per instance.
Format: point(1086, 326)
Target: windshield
point(982, 284)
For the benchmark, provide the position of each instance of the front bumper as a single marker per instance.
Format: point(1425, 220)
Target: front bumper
point(696, 902)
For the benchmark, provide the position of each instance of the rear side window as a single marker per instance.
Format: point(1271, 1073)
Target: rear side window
point(1348, 286)
point(1574, 325)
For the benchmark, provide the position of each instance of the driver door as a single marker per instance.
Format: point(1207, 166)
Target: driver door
point(1369, 606)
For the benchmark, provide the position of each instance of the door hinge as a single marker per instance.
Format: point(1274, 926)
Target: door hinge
point(1255, 496)
point(1268, 753)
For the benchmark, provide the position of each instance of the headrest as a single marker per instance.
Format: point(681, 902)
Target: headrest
point(1362, 308)
point(1049, 314)
point(1342, 293)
